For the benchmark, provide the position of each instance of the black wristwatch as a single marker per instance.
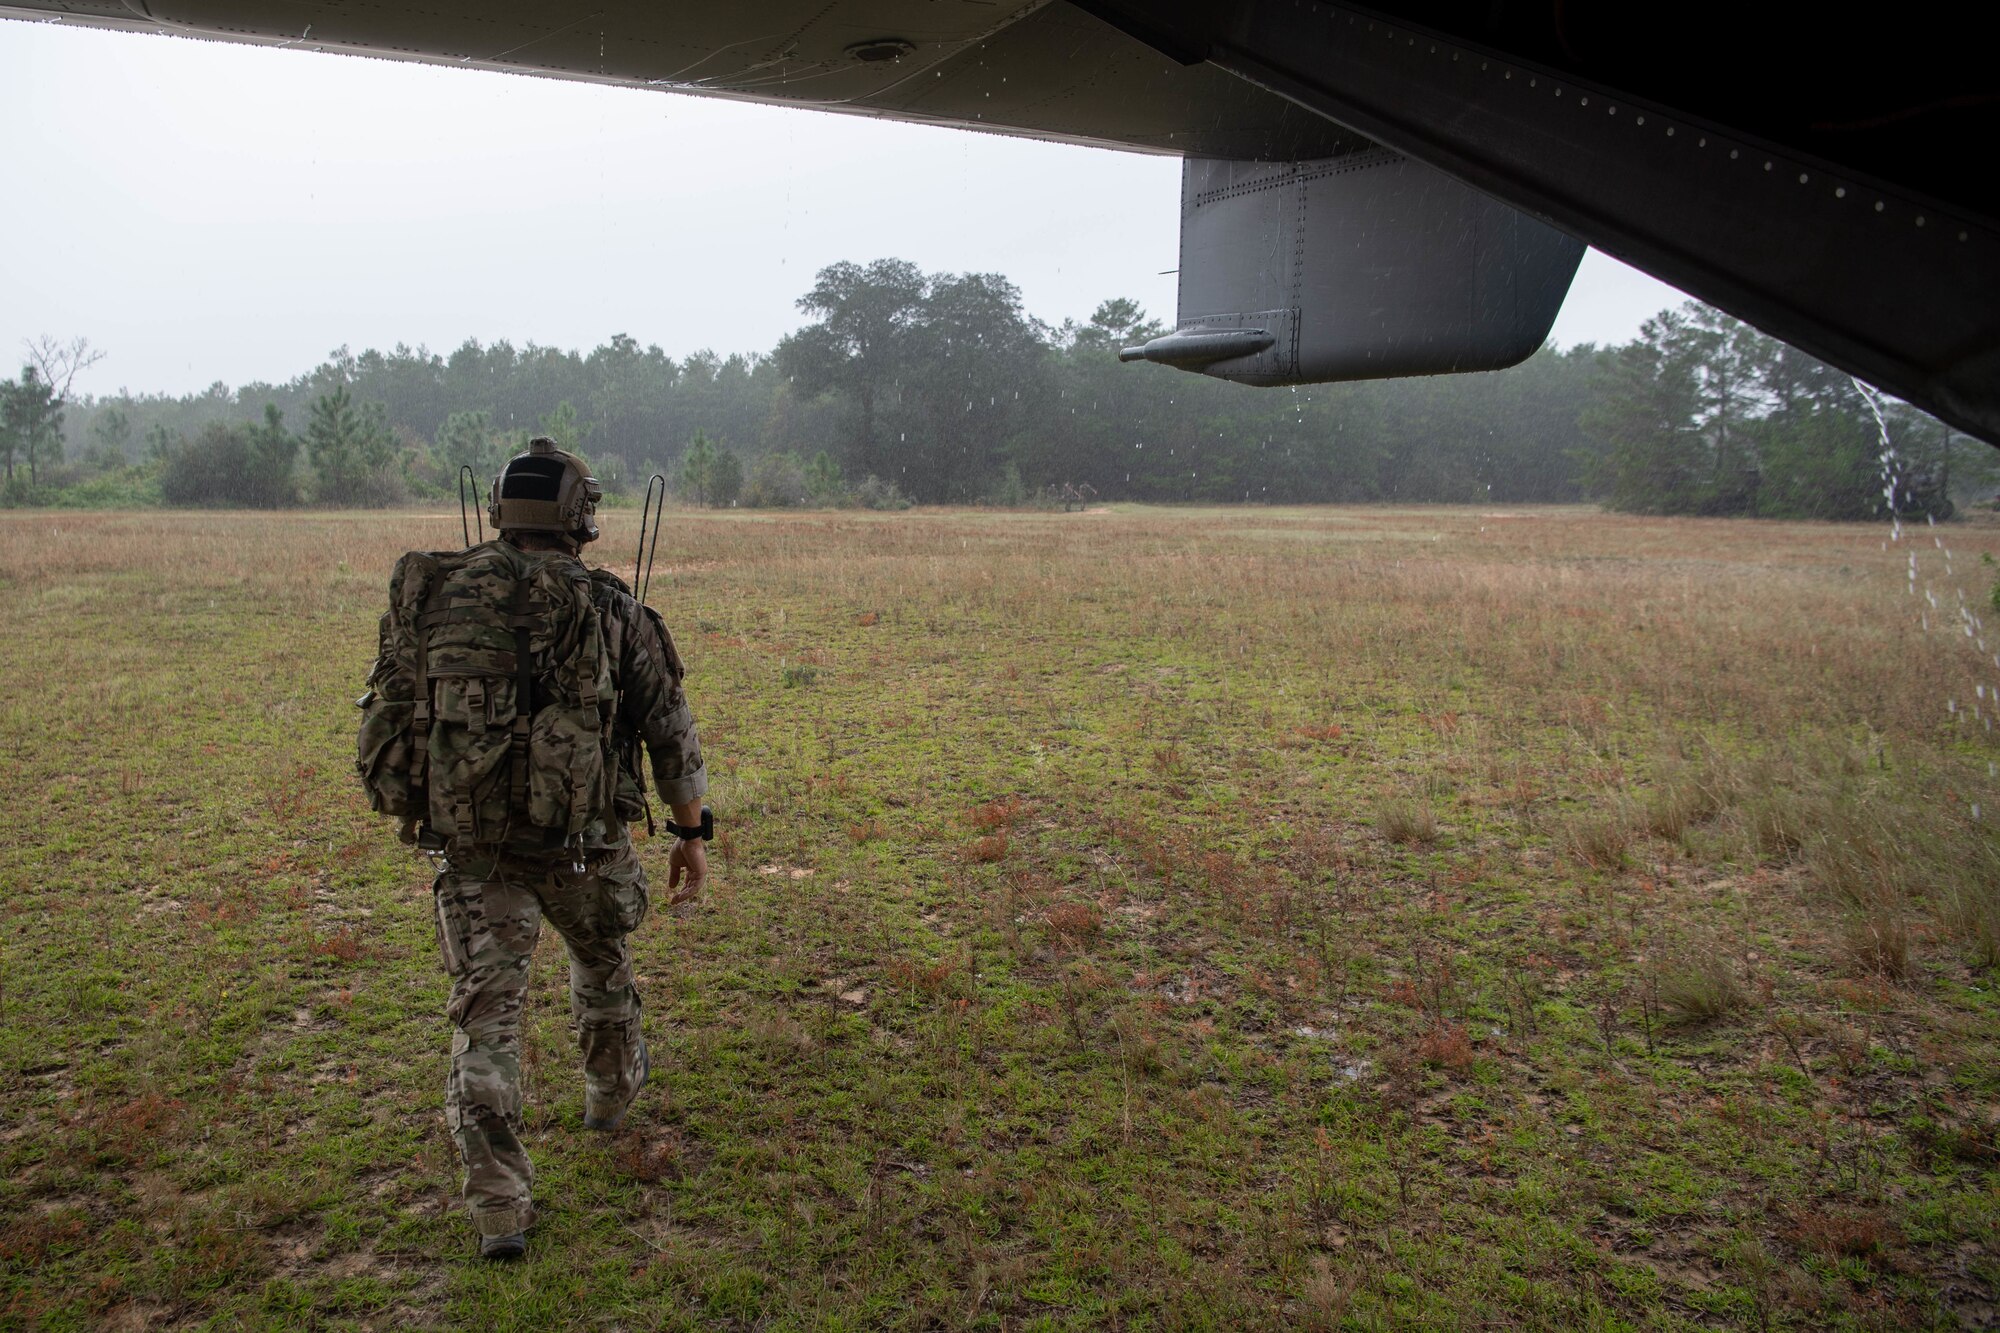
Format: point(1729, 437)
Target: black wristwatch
point(688, 832)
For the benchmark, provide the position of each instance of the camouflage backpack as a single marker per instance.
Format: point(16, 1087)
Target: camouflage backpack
point(488, 714)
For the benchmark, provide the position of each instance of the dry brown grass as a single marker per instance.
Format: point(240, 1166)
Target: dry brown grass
point(1446, 1046)
point(650, 1161)
point(1599, 839)
point(1618, 608)
point(1972, 908)
point(992, 847)
point(1687, 796)
point(1701, 986)
point(1087, 814)
point(1404, 819)
point(1076, 921)
point(995, 815)
point(1845, 1232)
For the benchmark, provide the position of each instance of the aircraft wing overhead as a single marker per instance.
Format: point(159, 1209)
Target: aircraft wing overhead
point(1012, 66)
point(1399, 189)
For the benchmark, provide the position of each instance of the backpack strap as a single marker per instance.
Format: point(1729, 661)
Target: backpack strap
point(437, 613)
point(522, 624)
point(420, 721)
point(420, 711)
point(592, 652)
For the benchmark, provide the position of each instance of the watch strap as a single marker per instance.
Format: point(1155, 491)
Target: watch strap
point(689, 832)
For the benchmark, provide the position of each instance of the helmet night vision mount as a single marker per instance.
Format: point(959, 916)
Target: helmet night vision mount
point(546, 490)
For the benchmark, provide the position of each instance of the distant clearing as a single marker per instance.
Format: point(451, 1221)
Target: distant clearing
point(1224, 919)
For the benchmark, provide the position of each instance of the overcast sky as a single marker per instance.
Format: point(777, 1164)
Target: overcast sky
point(207, 212)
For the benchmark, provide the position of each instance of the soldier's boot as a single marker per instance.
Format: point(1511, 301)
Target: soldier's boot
point(503, 1249)
point(604, 1114)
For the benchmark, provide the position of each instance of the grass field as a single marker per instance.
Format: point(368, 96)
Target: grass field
point(1151, 919)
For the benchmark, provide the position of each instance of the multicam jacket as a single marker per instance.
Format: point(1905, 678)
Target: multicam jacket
point(652, 708)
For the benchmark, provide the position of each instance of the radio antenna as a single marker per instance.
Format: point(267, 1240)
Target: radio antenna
point(642, 562)
point(465, 474)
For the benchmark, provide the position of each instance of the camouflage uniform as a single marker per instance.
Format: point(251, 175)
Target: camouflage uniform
point(489, 914)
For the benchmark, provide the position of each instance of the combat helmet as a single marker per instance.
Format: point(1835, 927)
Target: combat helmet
point(546, 490)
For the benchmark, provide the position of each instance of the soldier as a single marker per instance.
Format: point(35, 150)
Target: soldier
point(503, 722)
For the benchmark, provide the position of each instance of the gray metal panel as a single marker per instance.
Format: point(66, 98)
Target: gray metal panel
point(1012, 66)
point(1363, 267)
point(1060, 70)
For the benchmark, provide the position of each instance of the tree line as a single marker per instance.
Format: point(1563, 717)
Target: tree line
point(939, 388)
point(1702, 414)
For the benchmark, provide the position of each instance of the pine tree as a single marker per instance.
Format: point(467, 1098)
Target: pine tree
point(725, 479)
point(565, 427)
point(823, 479)
point(272, 452)
point(697, 472)
point(467, 439)
point(110, 438)
point(33, 423)
point(350, 448)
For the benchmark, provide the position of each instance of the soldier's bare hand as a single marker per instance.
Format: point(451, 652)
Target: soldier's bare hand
point(687, 870)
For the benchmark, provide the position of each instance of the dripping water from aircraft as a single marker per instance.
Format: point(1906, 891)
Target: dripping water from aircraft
point(1966, 624)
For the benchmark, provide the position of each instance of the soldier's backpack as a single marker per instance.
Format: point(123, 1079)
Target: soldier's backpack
point(488, 714)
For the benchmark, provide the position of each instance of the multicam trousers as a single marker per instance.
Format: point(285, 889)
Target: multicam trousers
point(489, 916)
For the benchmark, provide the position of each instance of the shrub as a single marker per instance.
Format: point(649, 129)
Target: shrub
point(125, 488)
point(231, 464)
point(875, 493)
point(1008, 491)
point(776, 482)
